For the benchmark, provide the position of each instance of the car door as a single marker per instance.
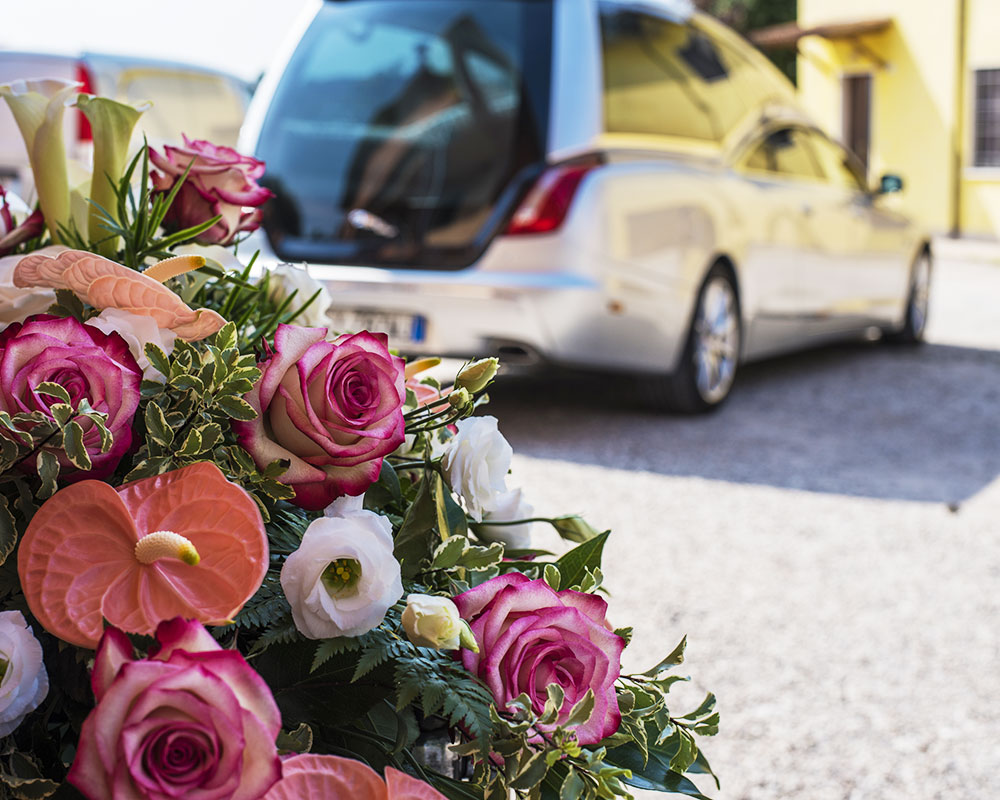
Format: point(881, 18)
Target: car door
point(785, 253)
point(868, 258)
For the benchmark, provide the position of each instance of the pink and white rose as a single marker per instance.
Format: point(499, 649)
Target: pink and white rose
point(530, 636)
point(24, 682)
point(221, 181)
point(89, 364)
point(332, 409)
point(192, 721)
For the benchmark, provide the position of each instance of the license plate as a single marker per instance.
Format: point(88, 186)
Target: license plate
point(402, 328)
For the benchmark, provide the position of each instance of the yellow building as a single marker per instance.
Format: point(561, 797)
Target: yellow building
point(913, 86)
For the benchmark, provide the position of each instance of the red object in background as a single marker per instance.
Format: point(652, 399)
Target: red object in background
point(86, 81)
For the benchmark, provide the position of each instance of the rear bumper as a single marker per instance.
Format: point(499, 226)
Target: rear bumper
point(526, 318)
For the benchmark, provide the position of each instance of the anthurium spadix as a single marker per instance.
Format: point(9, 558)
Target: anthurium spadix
point(112, 124)
point(38, 107)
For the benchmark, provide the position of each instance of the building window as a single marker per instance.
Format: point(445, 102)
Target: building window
point(987, 119)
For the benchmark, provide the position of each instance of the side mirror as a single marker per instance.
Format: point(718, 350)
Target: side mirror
point(890, 183)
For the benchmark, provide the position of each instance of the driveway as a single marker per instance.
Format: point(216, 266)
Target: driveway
point(828, 540)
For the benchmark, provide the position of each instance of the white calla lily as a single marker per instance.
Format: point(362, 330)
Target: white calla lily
point(38, 107)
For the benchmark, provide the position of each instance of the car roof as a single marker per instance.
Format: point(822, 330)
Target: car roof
point(674, 10)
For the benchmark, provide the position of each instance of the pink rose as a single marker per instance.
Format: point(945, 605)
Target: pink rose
point(309, 776)
point(87, 363)
point(221, 181)
point(192, 721)
point(530, 635)
point(332, 409)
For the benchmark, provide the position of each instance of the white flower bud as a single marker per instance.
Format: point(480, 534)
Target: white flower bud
point(432, 621)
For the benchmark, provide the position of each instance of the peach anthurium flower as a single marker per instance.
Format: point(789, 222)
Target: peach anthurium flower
point(186, 543)
point(107, 284)
point(316, 777)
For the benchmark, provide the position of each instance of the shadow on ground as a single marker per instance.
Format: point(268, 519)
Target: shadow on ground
point(870, 420)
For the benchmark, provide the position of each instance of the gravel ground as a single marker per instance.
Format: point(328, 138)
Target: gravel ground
point(828, 541)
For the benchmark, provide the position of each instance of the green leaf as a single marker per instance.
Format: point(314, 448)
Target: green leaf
point(654, 774)
point(225, 339)
point(417, 534)
point(530, 771)
point(625, 633)
point(186, 382)
point(450, 516)
point(706, 706)
point(676, 657)
point(8, 530)
point(449, 552)
point(48, 471)
point(480, 558)
point(157, 358)
point(574, 564)
point(53, 390)
point(386, 490)
point(157, 426)
point(61, 413)
point(572, 786)
point(236, 408)
point(74, 447)
point(192, 444)
point(552, 576)
point(298, 741)
point(581, 712)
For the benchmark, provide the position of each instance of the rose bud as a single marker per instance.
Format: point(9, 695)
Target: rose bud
point(476, 375)
point(433, 621)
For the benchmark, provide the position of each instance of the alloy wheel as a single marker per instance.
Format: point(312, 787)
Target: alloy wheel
point(716, 340)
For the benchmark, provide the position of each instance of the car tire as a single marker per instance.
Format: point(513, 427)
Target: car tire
point(707, 368)
point(917, 301)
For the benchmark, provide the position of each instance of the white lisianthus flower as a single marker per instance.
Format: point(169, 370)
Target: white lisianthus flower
point(509, 506)
point(136, 330)
point(344, 577)
point(432, 621)
point(476, 462)
point(24, 683)
point(286, 278)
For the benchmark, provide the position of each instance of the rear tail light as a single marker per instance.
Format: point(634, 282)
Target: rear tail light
point(86, 81)
point(547, 204)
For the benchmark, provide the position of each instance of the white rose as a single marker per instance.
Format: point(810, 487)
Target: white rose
point(344, 577)
point(432, 621)
point(25, 682)
point(136, 330)
point(16, 304)
point(509, 506)
point(476, 462)
point(286, 278)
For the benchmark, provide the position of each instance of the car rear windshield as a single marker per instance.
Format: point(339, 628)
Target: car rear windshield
point(400, 129)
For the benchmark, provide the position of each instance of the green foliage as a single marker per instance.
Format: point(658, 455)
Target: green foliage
point(137, 218)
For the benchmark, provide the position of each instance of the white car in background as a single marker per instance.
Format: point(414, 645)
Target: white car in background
point(200, 102)
point(594, 183)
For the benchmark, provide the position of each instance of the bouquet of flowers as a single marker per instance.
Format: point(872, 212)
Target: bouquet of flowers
point(245, 556)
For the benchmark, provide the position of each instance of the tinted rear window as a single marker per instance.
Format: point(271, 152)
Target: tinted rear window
point(399, 124)
point(692, 80)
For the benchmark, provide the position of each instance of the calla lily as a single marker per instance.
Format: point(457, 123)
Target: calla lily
point(112, 124)
point(38, 107)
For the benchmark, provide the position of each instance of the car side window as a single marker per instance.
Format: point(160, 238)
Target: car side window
point(786, 152)
point(840, 168)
